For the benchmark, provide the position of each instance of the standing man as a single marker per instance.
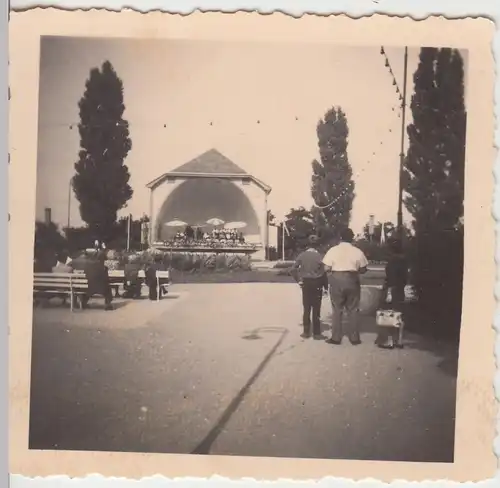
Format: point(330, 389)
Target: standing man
point(309, 272)
point(344, 263)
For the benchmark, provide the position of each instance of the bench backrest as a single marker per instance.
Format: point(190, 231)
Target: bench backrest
point(120, 273)
point(60, 280)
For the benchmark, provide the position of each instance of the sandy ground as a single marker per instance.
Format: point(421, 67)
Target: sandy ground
point(222, 369)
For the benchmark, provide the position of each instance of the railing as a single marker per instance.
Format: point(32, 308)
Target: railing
point(207, 247)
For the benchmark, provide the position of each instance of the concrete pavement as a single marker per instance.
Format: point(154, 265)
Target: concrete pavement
point(221, 369)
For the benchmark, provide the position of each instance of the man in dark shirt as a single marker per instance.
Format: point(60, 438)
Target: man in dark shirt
point(309, 272)
point(98, 281)
point(396, 279)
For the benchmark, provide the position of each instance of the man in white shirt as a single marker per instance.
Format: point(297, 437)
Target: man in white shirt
point(344, 263)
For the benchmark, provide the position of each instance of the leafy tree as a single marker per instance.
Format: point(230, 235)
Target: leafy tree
point(434, 184)
point(332, 186)
point(300, 225)
point(79, 238)
point(101, 182)
point(435, 163)
point(48, 243)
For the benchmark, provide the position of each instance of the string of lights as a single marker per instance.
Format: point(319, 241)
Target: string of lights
point(395, 83)
point(335, 200)
point(427, 152)
point(77, 125)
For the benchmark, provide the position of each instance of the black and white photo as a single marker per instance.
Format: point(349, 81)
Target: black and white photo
point(253, 247)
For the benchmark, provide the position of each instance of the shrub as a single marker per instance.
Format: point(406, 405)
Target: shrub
point(437, 270)
point(191, 262)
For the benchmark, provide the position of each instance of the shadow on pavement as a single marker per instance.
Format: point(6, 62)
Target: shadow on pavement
point(204, 446)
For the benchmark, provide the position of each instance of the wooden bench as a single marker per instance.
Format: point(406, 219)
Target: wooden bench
point(72, 285)
point(117, 279)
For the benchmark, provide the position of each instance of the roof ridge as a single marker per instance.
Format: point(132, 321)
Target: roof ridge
point(211, 161)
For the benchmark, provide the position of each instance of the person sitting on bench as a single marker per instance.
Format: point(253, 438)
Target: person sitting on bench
point(132, 282)
point(98, 280)
point(151, 281)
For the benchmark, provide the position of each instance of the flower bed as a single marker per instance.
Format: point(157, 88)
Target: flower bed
point(186, 261)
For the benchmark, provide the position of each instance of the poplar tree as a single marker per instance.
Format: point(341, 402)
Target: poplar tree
point(101, 182)
point(434, 184)
point(332, 186)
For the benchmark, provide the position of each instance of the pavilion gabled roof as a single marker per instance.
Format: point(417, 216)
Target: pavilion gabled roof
point(209, 164)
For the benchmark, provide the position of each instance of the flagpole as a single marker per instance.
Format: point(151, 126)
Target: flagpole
point(128, 232)
point(69, 202)
point(283, 240)
point(402, 153)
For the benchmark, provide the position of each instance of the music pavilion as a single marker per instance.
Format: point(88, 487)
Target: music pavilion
point(209, 186)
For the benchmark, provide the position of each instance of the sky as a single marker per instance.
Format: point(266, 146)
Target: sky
point(258, 104)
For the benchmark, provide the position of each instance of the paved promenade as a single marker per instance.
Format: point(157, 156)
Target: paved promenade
point(222, 369)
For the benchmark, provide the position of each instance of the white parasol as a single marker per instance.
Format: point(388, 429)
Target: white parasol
point(176, 223)
point(215, 221)
point(235, 225)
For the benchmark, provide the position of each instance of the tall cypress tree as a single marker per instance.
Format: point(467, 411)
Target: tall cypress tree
point(101, 180)
point(434, 182)
point(435, 162)
point(332, 186)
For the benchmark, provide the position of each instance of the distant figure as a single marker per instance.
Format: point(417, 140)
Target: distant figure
point(151, 281)
point(189, 233)
point(132, 282)
point(344, 263)
point(98, 280)
point(396, 279)
point(112, 261)
point(309, 271)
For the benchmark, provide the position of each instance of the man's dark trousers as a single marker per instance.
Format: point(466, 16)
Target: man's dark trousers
point(311, 300)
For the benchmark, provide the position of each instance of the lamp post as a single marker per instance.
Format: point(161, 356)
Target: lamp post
point(69, 202)
point(402, 153)
point(129, 223)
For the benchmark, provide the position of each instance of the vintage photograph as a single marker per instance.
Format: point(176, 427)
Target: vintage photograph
point(205, 261)
point(249, 248)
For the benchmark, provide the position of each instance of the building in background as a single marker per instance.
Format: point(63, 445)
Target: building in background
point(209, 186)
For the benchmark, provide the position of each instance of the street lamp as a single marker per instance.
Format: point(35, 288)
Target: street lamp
point(69, 201)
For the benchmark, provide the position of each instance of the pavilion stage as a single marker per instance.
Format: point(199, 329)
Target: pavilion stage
point(207, 248)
